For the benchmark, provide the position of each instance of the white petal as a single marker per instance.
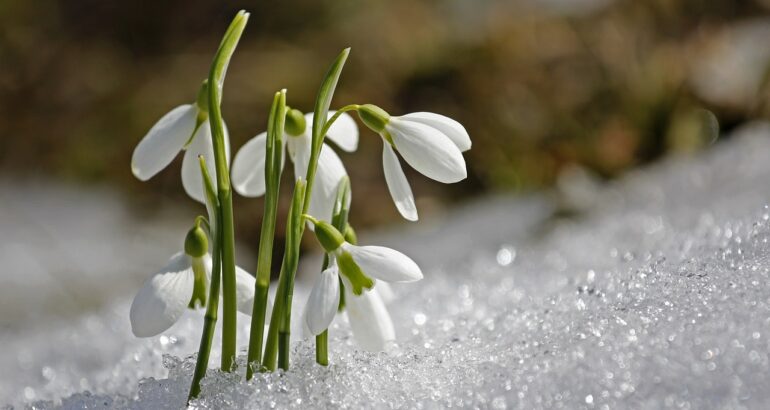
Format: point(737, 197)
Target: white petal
point(163, 297)
point(328, 175)
point(249, 167)
point(163, 142)
point(244, 291)
point(208, 264)
point(299, 152)
point(385, 291)
point(323, 301)
point(384, 263)
point(327, 178)
point(192, 181)
point(398, 185)
point(427, 150)
point(369, 320)
point(449, 127)
point(201, 144)
point(344, 131)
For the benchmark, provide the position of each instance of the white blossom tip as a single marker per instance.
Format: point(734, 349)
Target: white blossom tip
point(384, 263)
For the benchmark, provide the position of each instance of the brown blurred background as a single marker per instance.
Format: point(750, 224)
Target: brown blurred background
point(541, 85)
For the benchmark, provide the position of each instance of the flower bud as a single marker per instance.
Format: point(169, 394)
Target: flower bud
point(196, 244)
point(374, 117)
point(328, 236)
point(295, 122)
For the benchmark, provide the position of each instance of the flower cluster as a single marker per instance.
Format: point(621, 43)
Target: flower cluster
point(360, 266)
point(354, 278)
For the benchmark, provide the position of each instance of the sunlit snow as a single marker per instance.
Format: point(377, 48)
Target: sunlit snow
point(656, 296)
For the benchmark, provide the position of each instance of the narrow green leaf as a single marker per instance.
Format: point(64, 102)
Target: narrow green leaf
point(325, 94)
point(320, 114)
point(274, 153)
point(227, 48)
point(210, 318)
point(215, 81)
point(226, 224)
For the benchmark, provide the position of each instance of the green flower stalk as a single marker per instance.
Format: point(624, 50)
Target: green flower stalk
point(210, 318)
point(279, 332)
point(273, 167)
point(224, 194)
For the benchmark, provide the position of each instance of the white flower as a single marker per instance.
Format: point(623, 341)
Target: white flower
point(165, 295)
point(369, 319)
point(431, 143)
point(248, 172)
point(174, 133)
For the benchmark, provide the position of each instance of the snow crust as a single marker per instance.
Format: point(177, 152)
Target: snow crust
point(656, 296)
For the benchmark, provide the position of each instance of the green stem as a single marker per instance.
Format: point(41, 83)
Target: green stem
point(269, 359)
point(293, 237)
point(279, 332)
point(322, 348)
point(210, 318)
point(216, 80)
point(349, 107)
point(209, 323)
point(322, 340)
point(273, 166)
point(229, 302)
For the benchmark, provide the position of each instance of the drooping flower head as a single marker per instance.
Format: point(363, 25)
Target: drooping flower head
point(430, 143)
point(248, 171)
point(359, 267)
point(182, 283)
point(186, 127)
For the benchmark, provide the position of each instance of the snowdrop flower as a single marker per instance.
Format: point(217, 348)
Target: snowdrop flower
point(248, 172)
point(369, 318)
point(431, 143)
point(360, 266)
point(186, 127)
point(182, 283)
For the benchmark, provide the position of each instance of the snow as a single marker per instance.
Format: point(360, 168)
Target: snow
point(654, 296)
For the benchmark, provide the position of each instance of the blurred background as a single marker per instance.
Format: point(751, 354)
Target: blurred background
point(545, 87)
point(559, 96)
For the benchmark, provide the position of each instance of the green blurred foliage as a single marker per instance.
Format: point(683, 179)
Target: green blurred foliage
point(541, 85)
